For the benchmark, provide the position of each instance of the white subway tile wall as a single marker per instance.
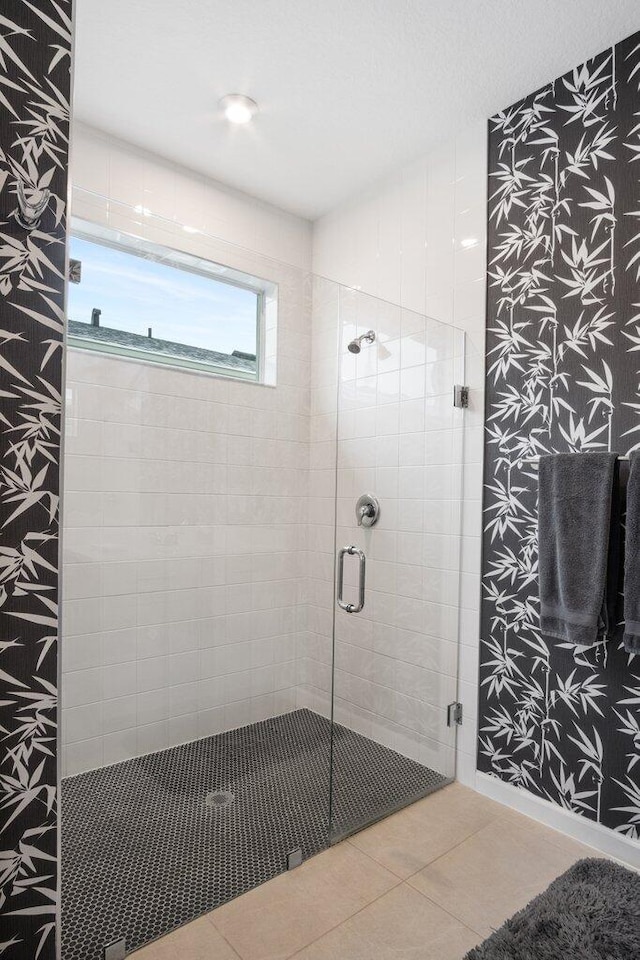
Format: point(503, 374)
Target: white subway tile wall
point(419, 240)
point(184, 522)
point(183, 569)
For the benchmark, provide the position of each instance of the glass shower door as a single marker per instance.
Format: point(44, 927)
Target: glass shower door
point(399, 486)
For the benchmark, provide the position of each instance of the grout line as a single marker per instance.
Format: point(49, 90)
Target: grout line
point(448, 912)
point(342, 923)
point(440, 906)
point(395, 886)
point(454, 847)
point(405, 879)
point(209, 917)
point(370, 856)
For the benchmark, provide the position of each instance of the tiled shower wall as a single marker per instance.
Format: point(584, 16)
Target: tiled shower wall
point(419, 240)
point(184, 539)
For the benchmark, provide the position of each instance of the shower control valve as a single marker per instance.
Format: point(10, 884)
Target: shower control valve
point(367, 510)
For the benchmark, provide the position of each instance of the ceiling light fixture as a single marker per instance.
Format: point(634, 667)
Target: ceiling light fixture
point(237, 108)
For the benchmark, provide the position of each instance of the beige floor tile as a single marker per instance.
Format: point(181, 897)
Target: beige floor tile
point(281, 917)
point(494, 873)
point(554, 837)
point(401, 924)
point(198, 940)
point(412, 838)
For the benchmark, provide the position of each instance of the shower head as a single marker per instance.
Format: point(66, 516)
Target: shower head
point(355, 345)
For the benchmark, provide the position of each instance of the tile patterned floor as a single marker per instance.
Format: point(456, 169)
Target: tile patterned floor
point(144, 850)
point(427, 883)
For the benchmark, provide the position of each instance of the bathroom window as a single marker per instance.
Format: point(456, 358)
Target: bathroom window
point(136, 299)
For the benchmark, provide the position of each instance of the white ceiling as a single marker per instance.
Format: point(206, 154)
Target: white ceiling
point(348, 89)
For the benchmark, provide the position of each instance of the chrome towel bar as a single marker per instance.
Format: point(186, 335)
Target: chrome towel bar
point(537, 458)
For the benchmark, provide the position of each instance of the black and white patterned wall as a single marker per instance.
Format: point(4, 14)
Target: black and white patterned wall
point(563, 374)
point(35, 46)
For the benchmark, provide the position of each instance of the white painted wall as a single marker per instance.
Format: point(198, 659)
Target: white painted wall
point(184, 540)
point(419, 240)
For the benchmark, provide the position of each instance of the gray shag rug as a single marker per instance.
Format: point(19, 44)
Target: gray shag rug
point(591, 912)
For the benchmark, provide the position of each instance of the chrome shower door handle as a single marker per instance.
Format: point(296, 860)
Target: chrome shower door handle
point(353, 551)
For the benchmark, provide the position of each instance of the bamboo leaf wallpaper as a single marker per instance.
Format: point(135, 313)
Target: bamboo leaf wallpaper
point(563, 374)
point(35, 48)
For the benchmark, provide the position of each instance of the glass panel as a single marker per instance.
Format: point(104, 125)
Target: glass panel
point(400, 439)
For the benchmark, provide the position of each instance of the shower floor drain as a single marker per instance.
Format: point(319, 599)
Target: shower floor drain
point(218, 799)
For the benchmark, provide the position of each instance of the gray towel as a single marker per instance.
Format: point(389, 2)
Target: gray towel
point(578, 542)
point(632, 559)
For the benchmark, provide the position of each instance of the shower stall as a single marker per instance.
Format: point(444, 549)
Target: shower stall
point(261, 598)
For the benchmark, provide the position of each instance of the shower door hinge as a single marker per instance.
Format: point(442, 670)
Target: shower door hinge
point(454, 714)
point(460, 396)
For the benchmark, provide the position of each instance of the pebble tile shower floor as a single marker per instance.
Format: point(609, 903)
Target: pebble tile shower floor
point(149, 844)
